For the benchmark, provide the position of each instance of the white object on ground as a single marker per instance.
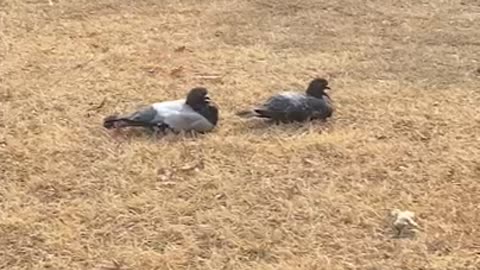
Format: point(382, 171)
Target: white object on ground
point(404, 220)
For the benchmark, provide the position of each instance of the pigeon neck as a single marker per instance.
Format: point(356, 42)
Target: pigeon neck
point(208, 111)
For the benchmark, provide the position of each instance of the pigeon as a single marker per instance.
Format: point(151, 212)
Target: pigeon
point(288, 107)
point(195, 113)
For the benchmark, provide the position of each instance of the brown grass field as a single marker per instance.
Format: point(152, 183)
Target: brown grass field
point(406, 134)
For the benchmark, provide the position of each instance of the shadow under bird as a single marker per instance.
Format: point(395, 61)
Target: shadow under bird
point(195, 113)
point(287, 107)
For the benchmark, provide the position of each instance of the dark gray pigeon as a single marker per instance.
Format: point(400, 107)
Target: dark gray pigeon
point(287, 107)
point(195, 113)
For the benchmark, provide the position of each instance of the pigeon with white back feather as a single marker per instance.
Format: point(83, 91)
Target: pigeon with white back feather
point(195, 113)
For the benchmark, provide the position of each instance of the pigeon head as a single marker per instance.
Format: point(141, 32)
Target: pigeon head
point(199, 101)
point(317, 87)
point(197, 97)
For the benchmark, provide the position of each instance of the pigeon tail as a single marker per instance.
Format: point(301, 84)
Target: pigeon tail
point(109, 121)
point(265, 113)
point(114, 121)
point(257, 112)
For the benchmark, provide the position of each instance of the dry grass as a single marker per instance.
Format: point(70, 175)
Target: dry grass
point(406, 134)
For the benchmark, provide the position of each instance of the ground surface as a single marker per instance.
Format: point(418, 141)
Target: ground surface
point(406, 134)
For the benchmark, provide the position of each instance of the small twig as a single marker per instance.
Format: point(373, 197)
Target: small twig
point(102, 103)
point(99, 106)
point(209, 76)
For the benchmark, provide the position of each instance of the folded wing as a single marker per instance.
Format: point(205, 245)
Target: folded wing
point(182, 118)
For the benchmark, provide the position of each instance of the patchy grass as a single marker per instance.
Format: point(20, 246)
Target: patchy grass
point(406, 134)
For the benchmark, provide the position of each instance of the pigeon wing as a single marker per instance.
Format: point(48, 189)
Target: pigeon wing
point(186, 119)
point(275, 107)
point(290, 107)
